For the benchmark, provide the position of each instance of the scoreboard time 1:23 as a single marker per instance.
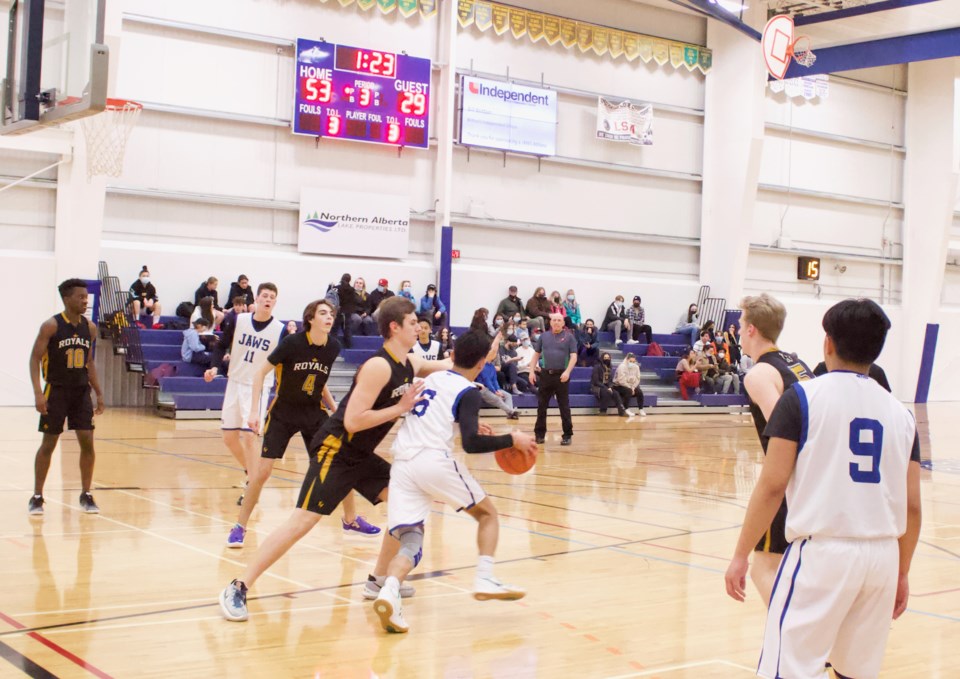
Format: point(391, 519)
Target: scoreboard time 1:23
point(362, 95)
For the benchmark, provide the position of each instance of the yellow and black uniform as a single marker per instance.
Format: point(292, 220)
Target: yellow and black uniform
point(791, 370)
point(302, 369)
point(341, 462)
point(65, 372)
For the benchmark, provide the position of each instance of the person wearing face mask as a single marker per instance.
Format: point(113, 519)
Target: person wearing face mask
point(538, 309)
point(511, 305)
point(525, 353)
point(556, 307)
point(626, 382)
point(431, 308)
point(509, 360)
point(689, 324)
point(572, 308)
point(638, 322)
point(373, 304)
point(615, 320)
point(497, 322)
point(406, 291)
point(142, 298)
point(589, 342)
point(601, 386)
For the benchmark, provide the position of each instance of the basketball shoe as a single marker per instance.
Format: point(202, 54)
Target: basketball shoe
point(485, 588)
point(389, 609)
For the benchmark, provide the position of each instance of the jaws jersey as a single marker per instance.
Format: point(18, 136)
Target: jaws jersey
point(251, 347)
point(429, 426)
point(854, 443)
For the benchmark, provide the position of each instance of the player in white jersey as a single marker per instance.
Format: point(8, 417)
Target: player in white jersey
point(426, 347)
point(254, 337)
point(424, 470)
point(847, 455)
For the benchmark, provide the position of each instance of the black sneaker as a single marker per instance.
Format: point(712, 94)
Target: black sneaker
point(36, 505)
point(540, 439)
point(565, 441)
point(514, 415)
point(87, 503)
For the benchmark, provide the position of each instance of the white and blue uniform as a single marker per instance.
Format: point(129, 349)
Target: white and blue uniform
point(834, 593)
point(248, 352)
point(423, 468)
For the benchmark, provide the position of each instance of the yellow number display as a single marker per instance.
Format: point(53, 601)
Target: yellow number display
point(75, 359)
point(309, 384)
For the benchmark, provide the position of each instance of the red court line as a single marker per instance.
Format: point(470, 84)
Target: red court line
point(942, 591)
point(95, 671)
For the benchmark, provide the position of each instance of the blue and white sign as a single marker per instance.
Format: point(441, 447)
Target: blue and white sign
point(350, 223)
point(508, 117)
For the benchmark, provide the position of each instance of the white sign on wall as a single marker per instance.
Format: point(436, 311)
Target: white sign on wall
point(509, 117)
point(336, 222)
point(625, 121)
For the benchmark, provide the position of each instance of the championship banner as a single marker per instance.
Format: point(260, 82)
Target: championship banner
point(501, 19)
point(518, 22)
point(631, 46)
point(645, 48)
point(366, 4)
point(616, 44)
point(407, 7)
point(428, 8)
point(466, 12)
point(601, 40)
point(551, 29)
point(808, 86)
point(353, 223)
point(568, 32)
point(534, 25)
point(661, 52)
point(484, 15)
point(625, 122)
point(344, 3)
point(584, 37)
point(387, 6)
point(676, 55)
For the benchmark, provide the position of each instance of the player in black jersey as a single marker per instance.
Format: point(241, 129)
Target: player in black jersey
point(760, 326)
point(63, 353)
point(342, 452)
point(302, 362)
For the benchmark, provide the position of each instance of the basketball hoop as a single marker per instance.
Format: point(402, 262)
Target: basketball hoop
point(107, 135)
point(779, 46)
point(805, 56)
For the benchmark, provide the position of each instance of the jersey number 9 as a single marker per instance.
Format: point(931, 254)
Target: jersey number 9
point(870, 449)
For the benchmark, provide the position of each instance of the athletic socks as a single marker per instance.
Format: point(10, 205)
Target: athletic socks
point(485, 567)
point(392, 584)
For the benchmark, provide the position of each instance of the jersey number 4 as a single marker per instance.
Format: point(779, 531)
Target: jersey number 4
point(867, 473)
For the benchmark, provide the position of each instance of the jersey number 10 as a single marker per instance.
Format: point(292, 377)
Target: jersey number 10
point(870, 449)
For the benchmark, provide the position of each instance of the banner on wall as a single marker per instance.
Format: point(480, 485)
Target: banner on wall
point(350, 223)
point(508, 117)
point(625, 121)
point(808, 86)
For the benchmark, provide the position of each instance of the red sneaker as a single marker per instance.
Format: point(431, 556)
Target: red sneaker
point(158, 326)
point(141, 325)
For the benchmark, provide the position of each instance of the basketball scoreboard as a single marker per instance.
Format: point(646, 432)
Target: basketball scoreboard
point(361, 94)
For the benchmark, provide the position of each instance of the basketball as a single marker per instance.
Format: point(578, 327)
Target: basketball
point(515, 461)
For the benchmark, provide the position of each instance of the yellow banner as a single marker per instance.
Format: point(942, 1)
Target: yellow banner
point(466, 11)
point(631, 45)
point(428, 8)
point(387, 6)
point(661, 52)
point(601, 40)
point(501, 19)
point(645, 49)
point(551, 29)
point(366, 4)
point(407, 7)
point(676, 55)
point(534, 25)
point(568, 32)
point(518, 22)
point(484, 15)
point(616, 44)
point(344, 3)
point(584, 36)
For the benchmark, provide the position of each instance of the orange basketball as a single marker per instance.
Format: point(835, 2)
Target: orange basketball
point(514, 461)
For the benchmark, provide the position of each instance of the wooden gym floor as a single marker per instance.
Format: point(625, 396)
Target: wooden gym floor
point(621, 541)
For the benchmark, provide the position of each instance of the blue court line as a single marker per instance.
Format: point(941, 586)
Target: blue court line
point(940, 616)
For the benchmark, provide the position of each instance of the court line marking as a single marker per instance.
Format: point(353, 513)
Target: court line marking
point(56, 648)
point(685, 666)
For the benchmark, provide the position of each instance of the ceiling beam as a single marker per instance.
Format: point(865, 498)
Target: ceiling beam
point(715, 11)
point(870, 8)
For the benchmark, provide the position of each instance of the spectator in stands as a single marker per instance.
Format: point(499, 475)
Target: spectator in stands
point(709, 372)
point(230, 318)
point(710, 328)
point(373, 302)
point(703, 342)
point(572, 307)
point(406, 291)
point(538, 309)
point(349, 302)
point(241, 288)
point(745, 364)
point(522, 331)
point(732, 339)
point(689, 324)
point(479, 321)
point(511, 305)
point(208, 289)
point(876, 373)
point(426, 347)
point(638, 322)
point(445, 340)
point(509, 362)
point(490, 391)
point(498, 323)
point(525, 352)
point(557, 307)
point(601, 386)
point(615, 320)
point(205, 309)
point(727, 371)
point(292, 328)
point(432, 308)
point(142, 298)
point(626, 382)
point(361, 323)
point(193, 350)
point(589, 344)
point(687, 374)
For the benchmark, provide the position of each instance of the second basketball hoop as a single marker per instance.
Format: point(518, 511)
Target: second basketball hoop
point(780, 45)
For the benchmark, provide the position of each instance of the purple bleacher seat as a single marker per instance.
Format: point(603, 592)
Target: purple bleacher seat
point(724, 399)
point(192, 385)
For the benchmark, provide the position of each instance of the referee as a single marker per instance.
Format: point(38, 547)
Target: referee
point(559, 351)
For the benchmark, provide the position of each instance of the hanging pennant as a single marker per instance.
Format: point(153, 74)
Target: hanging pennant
point(501, 19)
point(366, 4)
point(601, 40)
point(518, 22)
point(344, 3)
point(616, 44)
point(645, 48)
point(584, 36)
point(568, 32)
point(407, 7)
point(428, 8)
point(387, 6)
point(676, 55)
point(551, 28)
point(534, 25)
point(690, 57)
point(631, 46)
point(706, 60)
point(484, 15)
point(466, 12)
point(661, 52)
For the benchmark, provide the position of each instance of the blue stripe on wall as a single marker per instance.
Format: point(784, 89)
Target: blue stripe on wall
point(926, 363)
point(446, 271)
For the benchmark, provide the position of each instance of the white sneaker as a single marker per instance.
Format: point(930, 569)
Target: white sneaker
point(491, 588)
point(371, 590)
point(633, 341)
point(618, 342)
point(630, 413)
point(390, 611)
point(643, 413)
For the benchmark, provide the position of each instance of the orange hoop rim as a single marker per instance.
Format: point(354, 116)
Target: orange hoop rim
point(121, 105)
point(807, 45)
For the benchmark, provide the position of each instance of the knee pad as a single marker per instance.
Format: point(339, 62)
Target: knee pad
point(411, 542)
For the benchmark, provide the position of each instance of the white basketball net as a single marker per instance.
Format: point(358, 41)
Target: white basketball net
point(106, 135)
point(802, 53)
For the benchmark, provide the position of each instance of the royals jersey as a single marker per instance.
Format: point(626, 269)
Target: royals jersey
point(68, 351)
point(303, 369)
point(251, 347)
point(854, 443)
point(791, 370)
point(429, 426)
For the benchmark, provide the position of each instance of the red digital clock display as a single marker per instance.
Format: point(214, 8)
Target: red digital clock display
point(366, 61)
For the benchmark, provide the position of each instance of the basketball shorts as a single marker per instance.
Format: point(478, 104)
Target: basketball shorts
point(283, 423)
point(236, 405)
point(832, 601)
point(431, 475)
point(334, 472)
point(70, 404)
point(775, 539)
